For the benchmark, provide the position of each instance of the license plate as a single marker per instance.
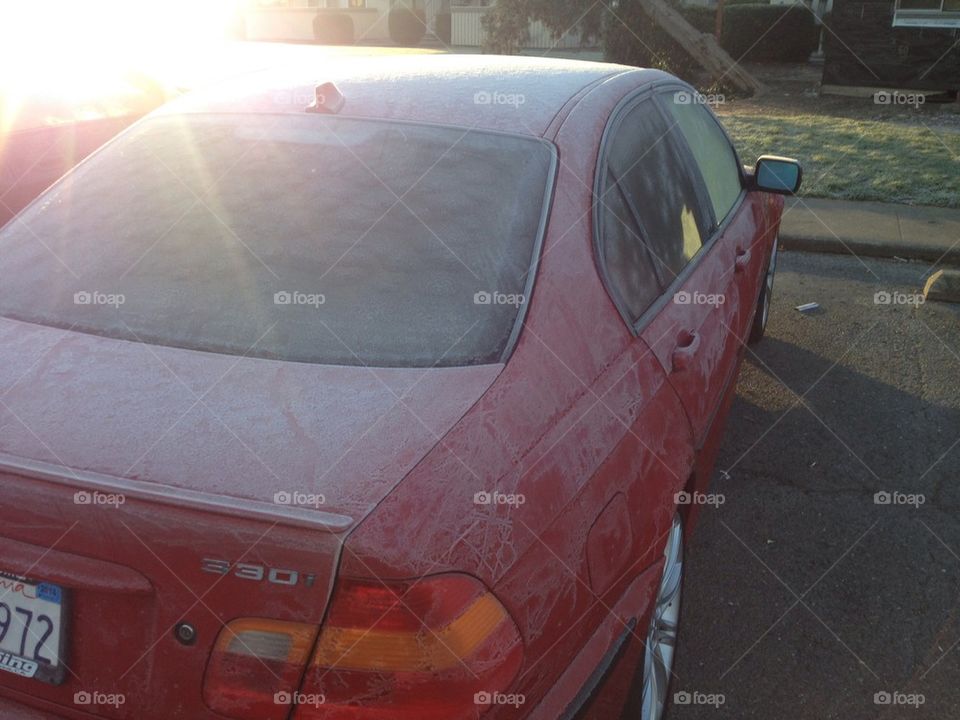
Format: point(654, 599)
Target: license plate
point(32, 617)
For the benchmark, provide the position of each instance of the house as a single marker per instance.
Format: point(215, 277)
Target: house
point(896, 44)
point(292, 21)
point(889, 44)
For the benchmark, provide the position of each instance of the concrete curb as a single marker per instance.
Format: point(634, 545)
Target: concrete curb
point(867, 248)
point(871, 229)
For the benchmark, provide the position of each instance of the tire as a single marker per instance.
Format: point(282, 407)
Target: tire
point(762, 315)
point(662, 634)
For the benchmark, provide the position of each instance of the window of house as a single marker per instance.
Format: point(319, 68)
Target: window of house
point(927, 13)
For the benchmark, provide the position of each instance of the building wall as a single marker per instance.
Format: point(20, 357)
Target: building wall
point(293, 21)
point(868, 51)
point(295, 24)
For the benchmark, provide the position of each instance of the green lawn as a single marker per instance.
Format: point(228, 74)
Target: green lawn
point(857, 159)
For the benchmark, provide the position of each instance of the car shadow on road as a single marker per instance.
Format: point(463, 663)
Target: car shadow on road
point(830, 571)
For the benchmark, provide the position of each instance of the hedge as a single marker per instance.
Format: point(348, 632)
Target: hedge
point(754, 32)
point(769, 33)
point(333, 29)
point(407, 27)
point(632, 38)
point(444, 27)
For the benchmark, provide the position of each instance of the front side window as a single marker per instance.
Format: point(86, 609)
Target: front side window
point(303, 238)
point(711, 150)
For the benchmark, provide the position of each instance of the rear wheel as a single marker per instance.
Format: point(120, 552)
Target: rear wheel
point(766, 297)
point(662, 635)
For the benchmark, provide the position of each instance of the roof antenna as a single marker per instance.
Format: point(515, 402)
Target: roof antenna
point(327, 99)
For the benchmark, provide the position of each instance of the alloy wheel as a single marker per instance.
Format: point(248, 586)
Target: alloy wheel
point(768, 281)
point(765, 298)
point(662, 635)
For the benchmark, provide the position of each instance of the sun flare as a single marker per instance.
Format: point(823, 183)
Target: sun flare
point(98, 57)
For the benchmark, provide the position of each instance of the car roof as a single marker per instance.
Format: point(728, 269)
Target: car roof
point(503, 93)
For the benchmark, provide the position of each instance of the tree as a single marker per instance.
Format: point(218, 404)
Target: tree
point(640, 32)
point(508, 21)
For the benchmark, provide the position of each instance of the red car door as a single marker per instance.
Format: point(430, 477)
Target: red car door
point(739, 216)
point(688, 325)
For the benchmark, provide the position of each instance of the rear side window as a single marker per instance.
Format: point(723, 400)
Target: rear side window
point(304, 238)
point(650, 207)
point(711, 150)
point(630, 269)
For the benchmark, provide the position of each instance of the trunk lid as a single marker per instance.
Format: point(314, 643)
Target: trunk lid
point(131, 474)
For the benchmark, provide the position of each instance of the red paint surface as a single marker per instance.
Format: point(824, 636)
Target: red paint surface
point(582, 413)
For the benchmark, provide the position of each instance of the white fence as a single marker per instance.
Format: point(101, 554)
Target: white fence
point(295, 24)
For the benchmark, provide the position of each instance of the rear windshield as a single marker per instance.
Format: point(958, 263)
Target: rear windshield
point(303, 238)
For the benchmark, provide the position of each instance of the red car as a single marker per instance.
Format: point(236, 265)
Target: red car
point(376, 390)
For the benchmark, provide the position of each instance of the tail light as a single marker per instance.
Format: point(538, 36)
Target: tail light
point(256, 667)
point(437, 648)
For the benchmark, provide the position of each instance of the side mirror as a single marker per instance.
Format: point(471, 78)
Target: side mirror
point(777, 175)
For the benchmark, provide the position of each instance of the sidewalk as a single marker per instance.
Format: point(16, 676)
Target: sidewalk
point(872, 229)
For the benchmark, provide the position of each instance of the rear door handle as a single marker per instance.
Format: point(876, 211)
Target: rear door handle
point(685, 351)
point(742, 261)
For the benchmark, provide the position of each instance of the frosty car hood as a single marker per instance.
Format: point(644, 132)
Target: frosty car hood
point(314, 444)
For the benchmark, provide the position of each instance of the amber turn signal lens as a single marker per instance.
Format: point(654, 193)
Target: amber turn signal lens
point(424, 649)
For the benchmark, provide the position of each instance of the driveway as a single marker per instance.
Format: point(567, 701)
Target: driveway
point(804, 596)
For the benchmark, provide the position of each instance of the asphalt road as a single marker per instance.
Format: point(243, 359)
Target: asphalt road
point(803, 596)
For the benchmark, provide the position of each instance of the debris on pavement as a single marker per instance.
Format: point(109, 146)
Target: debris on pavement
point(944, 286)
point(807, 308)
